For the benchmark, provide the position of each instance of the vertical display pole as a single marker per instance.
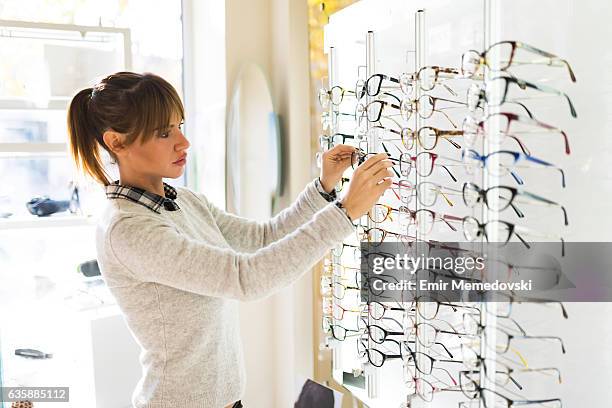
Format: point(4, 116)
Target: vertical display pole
point(488, 309)
point(372, 374)
point(331, 67)
point(419, 61)
point(1, 399)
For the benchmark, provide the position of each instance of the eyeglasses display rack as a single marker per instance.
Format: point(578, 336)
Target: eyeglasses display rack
point(446, 117)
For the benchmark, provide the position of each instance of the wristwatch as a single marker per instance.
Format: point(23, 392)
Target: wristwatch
point(338, 204)
point(328, 196)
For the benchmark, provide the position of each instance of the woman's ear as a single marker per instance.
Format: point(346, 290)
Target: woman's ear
point(115, 142)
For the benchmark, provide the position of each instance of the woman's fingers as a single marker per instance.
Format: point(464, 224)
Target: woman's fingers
point(343, 156)
point(382, 164)
point(384, 186)
point(342, 148)
point(382, 174)
point(372, 161)
point(339, 153)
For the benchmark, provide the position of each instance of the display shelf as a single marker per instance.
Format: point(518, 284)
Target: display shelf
point(362, 394)
point(53, 103)
point(21, 222)
point(33, 148)
point(73, 337)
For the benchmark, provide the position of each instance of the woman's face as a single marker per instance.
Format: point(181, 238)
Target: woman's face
point(159, 156)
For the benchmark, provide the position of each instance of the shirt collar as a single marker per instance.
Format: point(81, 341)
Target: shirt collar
point(150, 200)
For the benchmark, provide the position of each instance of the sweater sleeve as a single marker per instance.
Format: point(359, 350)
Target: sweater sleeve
point(155, 251)
point(247, 235)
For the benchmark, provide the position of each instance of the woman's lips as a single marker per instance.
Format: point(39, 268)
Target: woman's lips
point(181, 161)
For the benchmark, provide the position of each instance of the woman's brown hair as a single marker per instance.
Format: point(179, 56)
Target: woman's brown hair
point(137, 105)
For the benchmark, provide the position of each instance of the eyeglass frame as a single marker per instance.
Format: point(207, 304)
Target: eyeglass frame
point(483, 61)
point(515, 192)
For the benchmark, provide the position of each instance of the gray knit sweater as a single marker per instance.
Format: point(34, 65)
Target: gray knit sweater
point(178, 276)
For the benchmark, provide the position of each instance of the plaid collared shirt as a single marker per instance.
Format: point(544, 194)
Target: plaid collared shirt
point(150, 200)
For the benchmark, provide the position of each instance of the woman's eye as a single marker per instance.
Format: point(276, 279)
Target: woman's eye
point(166, 133)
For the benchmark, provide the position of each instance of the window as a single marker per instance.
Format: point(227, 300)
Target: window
point(48, 51)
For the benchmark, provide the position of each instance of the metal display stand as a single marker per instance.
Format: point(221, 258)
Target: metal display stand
point(374, 393)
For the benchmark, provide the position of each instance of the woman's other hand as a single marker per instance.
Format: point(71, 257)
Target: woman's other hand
point(368, 183)
point(333, 164)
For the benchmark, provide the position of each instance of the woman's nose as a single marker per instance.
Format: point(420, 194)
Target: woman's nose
point(183, 142)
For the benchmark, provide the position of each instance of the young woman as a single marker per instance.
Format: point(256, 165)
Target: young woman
point(178, 265)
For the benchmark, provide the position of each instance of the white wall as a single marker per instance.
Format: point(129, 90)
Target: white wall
point(580, 32)
point(276, 332)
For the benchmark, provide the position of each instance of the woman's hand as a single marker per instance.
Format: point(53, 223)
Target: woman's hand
point(333, 164)
point(369, 182)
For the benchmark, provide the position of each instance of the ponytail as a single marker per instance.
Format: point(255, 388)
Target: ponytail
point(84, 138)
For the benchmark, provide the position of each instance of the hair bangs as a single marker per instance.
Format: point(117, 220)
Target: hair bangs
point(158, 103)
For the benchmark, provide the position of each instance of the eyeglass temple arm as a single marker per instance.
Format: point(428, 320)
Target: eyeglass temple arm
point(449, 100)
point(392, 159)
point(530, 232)
point(448, 70)
point(458, 334)
point(514, 381)
point(449, 89)
point(449, 173)
point(443, 218)
point(545, 163)
point(454, 306)
point(531, 299)
point(549, 89)
point(533, 402)
point(516, 324)
point(392, 96)
point(446, 133)
point(446, 218)
point(523, 147)
point(540, 370)
point(395, 192)
point(445, 349)
point(545, 126)
point(566, 142)
point(397, 132)
point(448, 201)
point(449, 361)
point(447, 117)
point(546, 201)
point(446, 372)
point(451, 132)
point(517, 178)
point(522, 240)
point(545, 338)
point(551, 57)
point(524, 107)
point(517, 211)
